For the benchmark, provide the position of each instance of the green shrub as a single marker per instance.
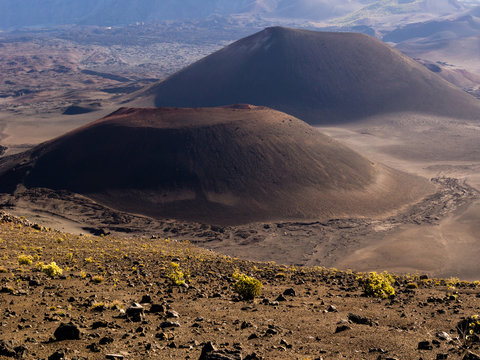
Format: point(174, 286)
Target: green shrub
point(378, 285)
point(52, 269)
point(246, 286)
point(25, 259)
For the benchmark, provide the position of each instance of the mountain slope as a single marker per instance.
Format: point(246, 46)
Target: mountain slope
point(15, 13)
point(224, 165)
point(392, 13)
point(317, 77)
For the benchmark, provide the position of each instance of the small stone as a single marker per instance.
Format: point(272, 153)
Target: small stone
point(357, 319)
point(425, 345)
point(114, 357)
point(157, 308)
point(58, 355)
point(332, 308)
point(442, 335)
point(106, 340)
point(93, 347)
point(135, 312)
point(169, 324)
point(281, 298)
point(99, 324)
point(66, 331)
point(146, 299)
point(271, 331)
point(285, 343)
point(172, 314)
point(34, 282)
point(290, 292)
point(342, 328)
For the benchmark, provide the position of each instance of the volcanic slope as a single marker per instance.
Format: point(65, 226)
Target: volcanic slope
point(228, 165)
point(319, 77)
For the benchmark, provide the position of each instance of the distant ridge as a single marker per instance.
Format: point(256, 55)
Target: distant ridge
point(319, 77)
point(226, 165)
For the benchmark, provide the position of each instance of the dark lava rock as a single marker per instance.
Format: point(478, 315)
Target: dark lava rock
point(6, 349)
point(93, 347)
point(60, 354)
point(106, 340)
point(425, 345)
point(290, 292)
point(135, 312)
point(253, 356)
point(99, 324)
point(169, 324)
point(357, 319)
point(471, 356)
point(66, 331)
point(210, 352)
point(157, 308)
point(281, 298)
point(33, 282)
point(342, 328)
point(442, 356)
point(172, 314)
point(146, 299)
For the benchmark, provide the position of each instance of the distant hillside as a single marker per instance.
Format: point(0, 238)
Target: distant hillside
point(14, 13)
point(445, 29)
point(452, 42)
point(318, 77)
point(392, 13)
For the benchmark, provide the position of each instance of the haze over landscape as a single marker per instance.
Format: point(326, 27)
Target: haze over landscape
point(164, 152)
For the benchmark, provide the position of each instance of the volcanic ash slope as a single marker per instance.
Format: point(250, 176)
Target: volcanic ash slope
point(226, 165)
point(319, 77)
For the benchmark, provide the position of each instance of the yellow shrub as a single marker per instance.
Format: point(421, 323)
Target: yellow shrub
point(378, 285)
point(176, 274)
point(25, 259)
point(52, 269)
point(246, 286)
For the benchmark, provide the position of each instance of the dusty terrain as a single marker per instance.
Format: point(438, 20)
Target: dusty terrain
point(302, 313)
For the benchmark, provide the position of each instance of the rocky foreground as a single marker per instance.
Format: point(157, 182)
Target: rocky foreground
point(65, 296)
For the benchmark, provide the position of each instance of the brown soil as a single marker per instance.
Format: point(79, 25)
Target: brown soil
point(103, 275)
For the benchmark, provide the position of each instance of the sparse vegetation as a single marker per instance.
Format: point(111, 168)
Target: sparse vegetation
point(162, 264)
